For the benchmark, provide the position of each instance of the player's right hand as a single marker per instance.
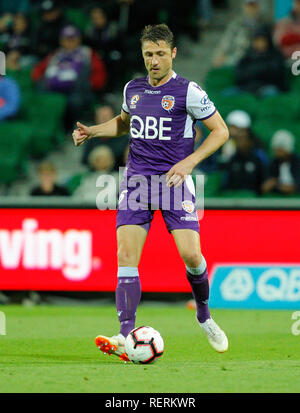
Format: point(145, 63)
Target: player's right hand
point(81, 134)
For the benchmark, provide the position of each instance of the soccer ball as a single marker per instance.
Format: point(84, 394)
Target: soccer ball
point(144, 345)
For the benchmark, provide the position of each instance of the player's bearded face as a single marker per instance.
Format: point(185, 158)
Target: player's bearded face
point(158, 58)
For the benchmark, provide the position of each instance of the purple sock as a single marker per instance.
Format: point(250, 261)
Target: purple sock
point(128, 295)
point(200, 289)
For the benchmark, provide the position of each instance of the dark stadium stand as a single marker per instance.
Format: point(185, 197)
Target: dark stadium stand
point(15, 140)
point(44, 112)
point(37, 130)
point(268, 114)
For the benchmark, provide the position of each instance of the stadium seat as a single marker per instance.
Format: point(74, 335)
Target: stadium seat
point(212, 184)
point(15, 138)
point(294, 82)
point(44, 111)
point(218, 80)
point(244, 101)
point(283, 106)
point(22, 77)
point(277, 195)
point(237, 194)
point(74, 182)
point(265, 129)
point(77, 17)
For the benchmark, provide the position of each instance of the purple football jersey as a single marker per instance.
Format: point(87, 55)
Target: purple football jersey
point(161, 122)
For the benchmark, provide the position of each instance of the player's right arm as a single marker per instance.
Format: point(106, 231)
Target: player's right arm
point(118, 126)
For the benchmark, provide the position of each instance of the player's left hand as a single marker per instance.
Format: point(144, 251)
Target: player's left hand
point(177, 174)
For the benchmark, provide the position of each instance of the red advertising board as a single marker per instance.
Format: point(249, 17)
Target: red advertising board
point(75, 249)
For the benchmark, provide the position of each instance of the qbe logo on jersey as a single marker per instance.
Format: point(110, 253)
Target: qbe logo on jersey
point(272, 286)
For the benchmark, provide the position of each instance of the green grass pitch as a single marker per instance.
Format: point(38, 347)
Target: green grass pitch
point(51, 349)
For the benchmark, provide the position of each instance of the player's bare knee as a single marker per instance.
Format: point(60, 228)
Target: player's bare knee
point(126, 258)
point(192, 258)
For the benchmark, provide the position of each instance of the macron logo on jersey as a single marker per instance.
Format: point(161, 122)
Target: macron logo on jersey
point(152, 92)
point(151, 128)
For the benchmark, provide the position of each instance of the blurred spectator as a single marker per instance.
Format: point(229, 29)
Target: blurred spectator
point(103, 114)
point(8, 7)
point(182, 17)
point(245, 169)
point(52, 21)
point(262, 69)
point(5, 29)
point(205, 13)
point(101, 33)
point(135, 15)
point(13, 60)
point(19, 36)
point(6, 20)
point(284, 171)
point(9, 98)
point(101, 162)
point(17, 44)
point(287, 32)
point(73, 70)
point(103, 36)
point(237, 37)
point(131, 20)
point(47, 177)
point(239, 123)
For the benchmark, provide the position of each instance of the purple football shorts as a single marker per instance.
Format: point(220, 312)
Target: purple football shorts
point(140, 196)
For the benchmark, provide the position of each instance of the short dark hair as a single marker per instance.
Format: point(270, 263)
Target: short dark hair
point(155, 33)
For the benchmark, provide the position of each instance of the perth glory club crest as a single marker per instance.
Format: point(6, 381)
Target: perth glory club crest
point(168, 102)
point(188, 207)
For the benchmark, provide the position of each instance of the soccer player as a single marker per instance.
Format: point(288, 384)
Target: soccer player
point(159, 111)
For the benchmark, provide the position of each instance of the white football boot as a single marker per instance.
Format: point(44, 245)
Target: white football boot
point(216, 337)
point(112, 345)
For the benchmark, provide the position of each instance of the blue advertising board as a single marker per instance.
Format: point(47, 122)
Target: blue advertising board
point(261, 286)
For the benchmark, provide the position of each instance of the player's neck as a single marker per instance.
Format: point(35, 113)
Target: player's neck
point(160, 82)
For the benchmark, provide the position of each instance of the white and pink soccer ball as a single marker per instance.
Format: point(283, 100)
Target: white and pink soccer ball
point(144, 345)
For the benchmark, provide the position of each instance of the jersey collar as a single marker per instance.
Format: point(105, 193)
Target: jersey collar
point(174, 75)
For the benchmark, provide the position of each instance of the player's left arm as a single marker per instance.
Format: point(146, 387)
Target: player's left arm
point(217, 137)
